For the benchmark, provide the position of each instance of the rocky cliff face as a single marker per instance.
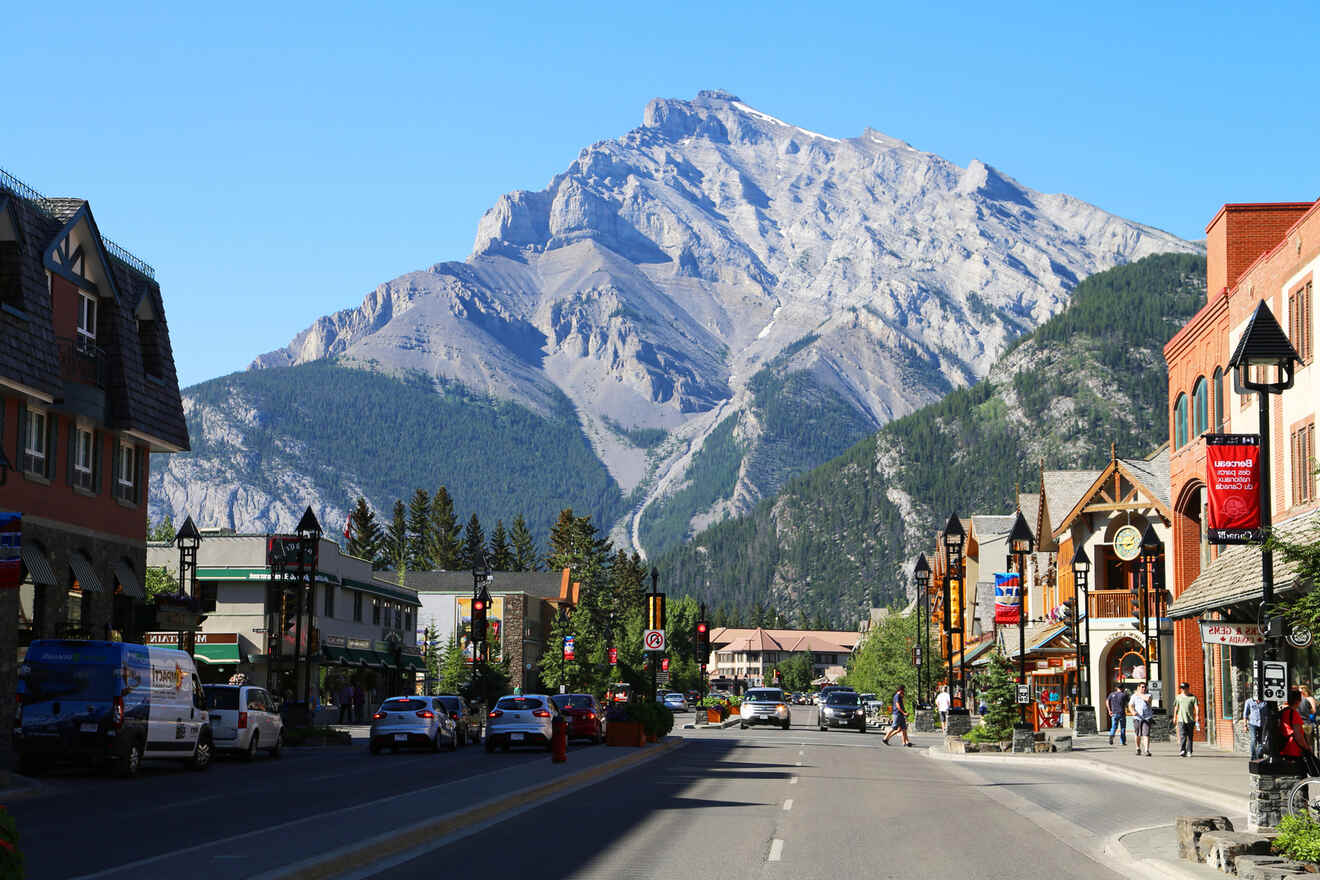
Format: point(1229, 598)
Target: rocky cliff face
point(664, 271)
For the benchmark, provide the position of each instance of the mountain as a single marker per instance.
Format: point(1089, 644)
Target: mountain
point(724, 300)
point(842, 537)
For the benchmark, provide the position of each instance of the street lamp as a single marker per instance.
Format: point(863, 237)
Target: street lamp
point(1152, 548)
point(1263, 345)
point(953, 548)
point(1020, 543)
point(921, 576)
point(309, 545)
point(188, 539)
point(1081, 567)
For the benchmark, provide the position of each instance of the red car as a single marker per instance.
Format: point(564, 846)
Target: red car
point(584, 716)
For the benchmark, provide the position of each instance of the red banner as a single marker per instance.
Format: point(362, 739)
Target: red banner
point(1232, 463)
point(11, 541)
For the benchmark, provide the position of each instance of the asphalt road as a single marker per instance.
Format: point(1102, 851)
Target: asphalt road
point(772, 803)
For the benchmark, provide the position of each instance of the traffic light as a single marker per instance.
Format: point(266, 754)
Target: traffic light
point(703, 642)
point(479, 607)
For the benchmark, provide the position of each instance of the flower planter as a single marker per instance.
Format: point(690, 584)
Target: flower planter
point(713, 716)
point(650, 737)
point(734, 710)
point(624, 733)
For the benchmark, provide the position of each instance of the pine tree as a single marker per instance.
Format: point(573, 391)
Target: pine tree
point(501, 554)
point(431, 656)
point(1000, 694)
point(162, 531)
point(525, 557)
point(365, 536)
point(555, 670)
point(396, 538)
point(474, 546)
point(453, 670)
point(419, 531)
point(445, 533)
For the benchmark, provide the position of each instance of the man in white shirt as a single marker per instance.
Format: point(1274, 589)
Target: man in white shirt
point(942, 702)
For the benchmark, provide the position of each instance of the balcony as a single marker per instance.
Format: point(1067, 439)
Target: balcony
point(82, 362)
point(1117, 603)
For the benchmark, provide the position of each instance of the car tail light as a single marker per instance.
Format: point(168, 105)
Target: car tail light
point(495, 713)
point(426, 713)
point(378, 716)
point(591, 716)
point(118, 712)
point(541, 713)
point(453, 715)
point(242, 720)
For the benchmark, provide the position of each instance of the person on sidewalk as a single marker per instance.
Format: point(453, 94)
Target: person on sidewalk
point(1251, 710)
point(898, 723)
point(1142, 714)
point(1117, 703)
point(345, 700)
point(359, 700)
point(942, 703)
point(1296, 746)
point(1187, 713)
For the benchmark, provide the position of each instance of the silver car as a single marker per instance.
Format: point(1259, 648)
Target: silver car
point(764, 706)
point(673, 701)
point(526, 720)
point(244, 719)
point(423, 722)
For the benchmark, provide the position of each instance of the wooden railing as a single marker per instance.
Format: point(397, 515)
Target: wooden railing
point(1114, 603)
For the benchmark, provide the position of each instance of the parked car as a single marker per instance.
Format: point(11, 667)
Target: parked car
point(842, 709)
point(109, 702)
point(467, 721)
point(764, 706)
point(674, 702)
point(619, 692)
point(244, 719)
point(584, 716)
point(693, 698)
point(423, 722)
point(520, 721)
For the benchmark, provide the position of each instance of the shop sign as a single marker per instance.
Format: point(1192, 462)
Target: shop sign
point(172, 638)
point(359, 644)
point(1232, 463)
point(1042, 664)
point(11, 541)
point(1070, 663)
point(1299, 636)
point(1056, 662)
point(1216, 632)
point(335, 641)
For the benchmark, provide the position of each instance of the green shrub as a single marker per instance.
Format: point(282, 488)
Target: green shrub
point(1299, 838)
point(982, 734)
point(655, 719)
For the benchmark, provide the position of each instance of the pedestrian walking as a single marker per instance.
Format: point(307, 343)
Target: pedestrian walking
point(1295, 744)
point(1117, 703)
point(942, 703)
point(898, 723)
point(1187, 713)
point(359, 698)
point(1307, 706)
point(1251, 712)
point(345, 699)
point(1142, 714)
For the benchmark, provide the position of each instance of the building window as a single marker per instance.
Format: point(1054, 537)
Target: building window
point(11, 279)
point(329, 601)
point(1180, 422)
point(1200, 409)
point(35, 443)
point(86, 321)
point(407, 620)
point(1300, 324)
point(1219, 399)
point(126, 471)
point(153, 351)
point(1303, 464)
point(357, 606)
point(1225, 682)
point(375, 612)
point(82, 459)
point(210, 598)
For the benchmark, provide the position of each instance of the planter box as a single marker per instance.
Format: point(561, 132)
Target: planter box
point(734, 710)
point(625, 733)
point(713, 716)
point(651, 737)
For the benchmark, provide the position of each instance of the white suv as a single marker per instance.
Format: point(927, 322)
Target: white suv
point(244, 719)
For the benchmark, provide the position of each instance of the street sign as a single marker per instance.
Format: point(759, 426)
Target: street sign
point(1276, 681)
point(916, 655)
point(653, 640)
point(1299, 636)
point(1023, 694)
point(1154, 687)
point(1216, 632)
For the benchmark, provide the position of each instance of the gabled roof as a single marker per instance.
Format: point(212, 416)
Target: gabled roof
point(1145, 477)
point(787, 640)
point(986, 526)
point(1030, 507)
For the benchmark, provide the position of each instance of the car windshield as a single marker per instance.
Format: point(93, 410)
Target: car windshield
point(765, 696)
point(572, 701)
point(402, 705)
point(221, 697)
point(69, 682)
point(842, 699)
point(518, 703)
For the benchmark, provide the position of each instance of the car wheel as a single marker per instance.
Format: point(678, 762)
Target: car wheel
point(787, 725)
point(251, 752)
point(742, 725)
point(201, 758)
point(128, 766)
point(435, 742)
point(279, 743)
point(374, 748)
point(453, 741)
point(490, 746)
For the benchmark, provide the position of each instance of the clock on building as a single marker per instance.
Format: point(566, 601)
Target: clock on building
point(1127, 543)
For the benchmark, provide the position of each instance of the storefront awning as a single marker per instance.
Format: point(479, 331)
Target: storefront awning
point(1234, 577)
point(86, 577)
point(364, 658)
point(128, 581)
point(217, 654)
point(1038, 638)
point(333, 654)
point(38, 566)
point(414, 663)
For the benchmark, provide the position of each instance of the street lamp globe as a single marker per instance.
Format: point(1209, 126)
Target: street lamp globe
point(921, 573)
point(1020, 538)
point(953, 540)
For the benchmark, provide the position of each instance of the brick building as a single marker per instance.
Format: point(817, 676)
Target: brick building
point(1255, 253)
point(88, 393)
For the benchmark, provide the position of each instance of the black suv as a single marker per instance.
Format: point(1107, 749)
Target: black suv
point(842, 709)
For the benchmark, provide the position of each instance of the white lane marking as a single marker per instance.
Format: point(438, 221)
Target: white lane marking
point(792, 780)
point(799, 764)
point(788, 805)
point(776, 850)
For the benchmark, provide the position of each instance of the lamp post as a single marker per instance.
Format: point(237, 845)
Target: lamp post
point(953, 548)
point(652, 660)
point(309, 545)
point(1263, 345)
point(562, 616)
point(1020, 543)
point(1081, 568)
point(921, 576)
point(187, 540)
point(1152, 548)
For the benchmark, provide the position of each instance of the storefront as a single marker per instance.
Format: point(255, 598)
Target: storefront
point(219, 655)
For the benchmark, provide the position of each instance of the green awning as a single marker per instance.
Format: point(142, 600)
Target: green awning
point(365, 658)
point(217, 654)
point(414, 662)
point(332, 654)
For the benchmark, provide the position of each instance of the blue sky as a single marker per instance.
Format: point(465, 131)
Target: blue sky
point(276, 162)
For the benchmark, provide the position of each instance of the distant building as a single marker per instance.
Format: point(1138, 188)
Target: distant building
point(749, 656)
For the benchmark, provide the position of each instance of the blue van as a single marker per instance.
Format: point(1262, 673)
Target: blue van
point(109, 703)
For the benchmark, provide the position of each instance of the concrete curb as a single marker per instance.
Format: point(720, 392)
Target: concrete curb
point(1230, 804)
point(364, 853)
point(1154, 869)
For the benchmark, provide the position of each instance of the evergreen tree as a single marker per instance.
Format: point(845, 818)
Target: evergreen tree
point(445, 533)
point(501, 554)
point(396, 538)
point(453, 670)
point(474, 546)
point(819, 622)
point(555, 670)
point(366, 539)
point(1000, 694)
point(431, 653)
point(419, 531)
point(525, 556)
point(722, 617)
point(163, 531)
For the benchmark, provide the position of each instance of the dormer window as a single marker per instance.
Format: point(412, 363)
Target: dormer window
point(153, 364)
point(86, 321)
